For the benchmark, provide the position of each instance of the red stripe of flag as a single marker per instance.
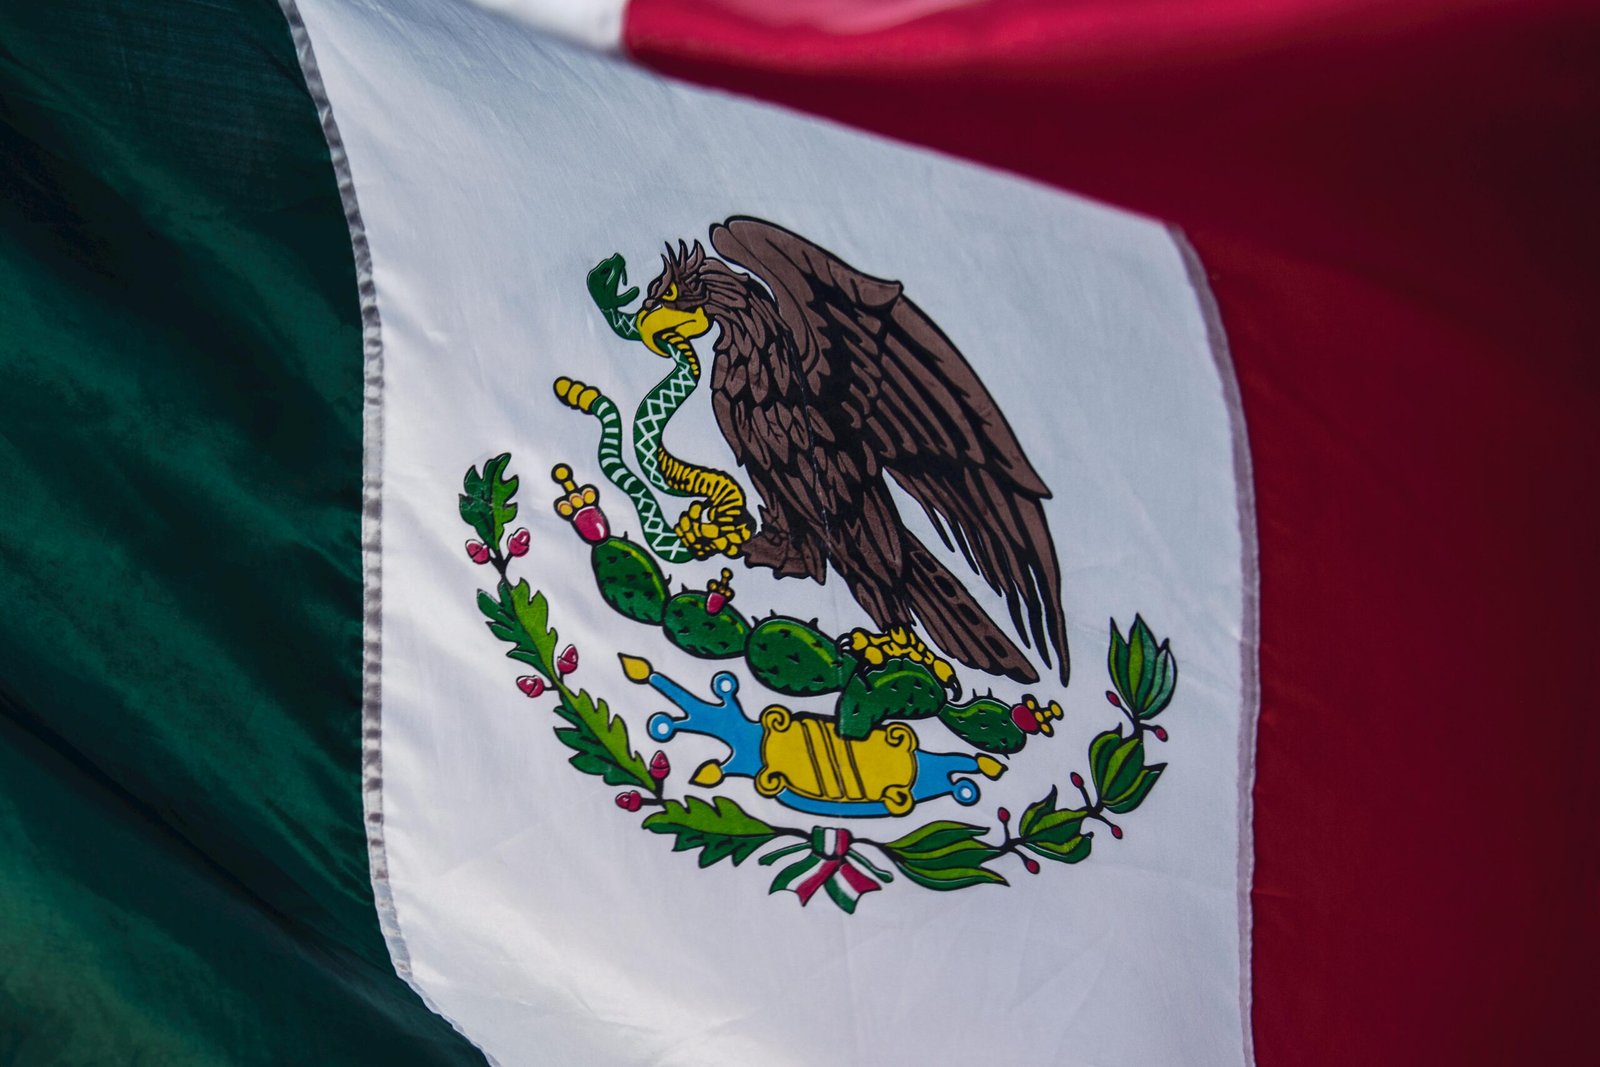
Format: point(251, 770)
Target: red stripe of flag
point(1395, 207)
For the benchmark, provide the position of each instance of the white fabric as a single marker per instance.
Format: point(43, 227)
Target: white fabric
point(493, 167)
point(595, 23)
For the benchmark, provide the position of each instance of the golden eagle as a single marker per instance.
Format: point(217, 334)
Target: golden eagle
point(825, 380)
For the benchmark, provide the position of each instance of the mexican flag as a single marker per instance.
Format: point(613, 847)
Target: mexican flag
point(844, 532)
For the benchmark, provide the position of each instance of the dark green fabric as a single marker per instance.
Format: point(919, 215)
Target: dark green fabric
point(183, 872)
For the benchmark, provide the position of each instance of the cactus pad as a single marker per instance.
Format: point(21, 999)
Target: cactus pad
point(985, 723)
point(788, 656)
point(700, 633)
point(629, 580)
point(899, 689)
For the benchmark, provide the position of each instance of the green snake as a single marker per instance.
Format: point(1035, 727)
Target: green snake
point(722, 500)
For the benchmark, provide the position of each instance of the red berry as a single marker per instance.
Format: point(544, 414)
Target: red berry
point(518, 545)
point(630, 801)
point(567, 662)
point(1116, 831)
point(1005, 816)
point(1031, 864)
point(478, 552)
point(660, 766)
point(1160, 732)
point(531, 685)
point(1116, 701)
point(1077, 780)
point(1025, 719)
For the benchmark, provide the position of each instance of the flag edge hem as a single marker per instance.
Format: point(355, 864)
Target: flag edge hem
point(371, 535)
point(1250, 616)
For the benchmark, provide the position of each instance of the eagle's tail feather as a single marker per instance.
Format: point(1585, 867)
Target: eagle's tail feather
point(953, 621)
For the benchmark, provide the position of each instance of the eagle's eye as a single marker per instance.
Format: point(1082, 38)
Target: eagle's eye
point(670, 293)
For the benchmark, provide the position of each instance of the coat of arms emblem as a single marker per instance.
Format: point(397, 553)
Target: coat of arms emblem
point(828, 385)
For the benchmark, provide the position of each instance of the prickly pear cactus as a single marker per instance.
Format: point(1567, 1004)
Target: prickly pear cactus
point(689, 625)
point(899, 689)
point(629, 580)
point(985, 723)
point(797, 659)
point(791, 657)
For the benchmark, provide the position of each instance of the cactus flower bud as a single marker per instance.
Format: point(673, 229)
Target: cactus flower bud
point(591, 525)
point(660, 766)
point(567, 662)
point(630, 801)
point(715, 603)
point(1031, 864)
point(531, 685)
point(1025, 719)
point(518, 545)
point(478, 552)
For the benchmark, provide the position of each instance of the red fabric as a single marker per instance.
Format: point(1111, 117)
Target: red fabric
point(1395, 204)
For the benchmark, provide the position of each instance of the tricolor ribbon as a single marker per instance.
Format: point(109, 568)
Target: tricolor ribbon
point(832, 867)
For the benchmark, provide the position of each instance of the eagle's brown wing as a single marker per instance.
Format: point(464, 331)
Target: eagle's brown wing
point(905, 398)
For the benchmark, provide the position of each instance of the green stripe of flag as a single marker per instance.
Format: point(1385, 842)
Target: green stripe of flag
point(183, 873)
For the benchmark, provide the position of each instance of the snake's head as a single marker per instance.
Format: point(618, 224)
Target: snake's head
point(606, 280)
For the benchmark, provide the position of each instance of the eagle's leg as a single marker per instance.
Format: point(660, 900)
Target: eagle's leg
point(776, 547)
point(708, 529)
point(900, 642)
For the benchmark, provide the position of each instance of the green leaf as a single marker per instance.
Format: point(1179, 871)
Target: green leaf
point(533, 613)
point(521, 617)
point(485, 501)
point(1117, 663)
point(1166, 682)
point(476, 510)
point(503, 489)
point(900, 689)
point(1071, 850)
point(1134, 795)
point(954, 877)
point(1035, 811)
point(600, 741)
point(722, 830)
point(955, 854)
point(933, 836)
point(1100, 752)
point(1056, 827)
point(1122, 768)
point(944, 855)
point(1144, 651)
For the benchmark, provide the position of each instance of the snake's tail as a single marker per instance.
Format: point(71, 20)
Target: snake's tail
point(577, 395)
point(660, 537)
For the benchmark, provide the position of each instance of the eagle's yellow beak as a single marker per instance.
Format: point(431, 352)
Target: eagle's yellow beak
point(654, 323)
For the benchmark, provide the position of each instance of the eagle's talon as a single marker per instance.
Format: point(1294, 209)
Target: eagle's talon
point(706, 532)
point(901, 642)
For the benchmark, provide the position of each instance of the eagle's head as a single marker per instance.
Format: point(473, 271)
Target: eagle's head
point(689, 294)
